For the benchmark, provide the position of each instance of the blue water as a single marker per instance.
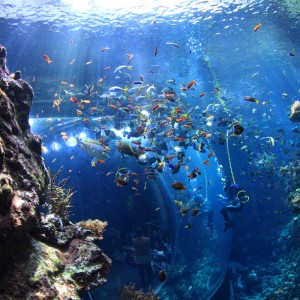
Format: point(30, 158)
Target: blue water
point(217, 47)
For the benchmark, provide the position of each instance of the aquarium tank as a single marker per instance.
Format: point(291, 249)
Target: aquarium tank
point(150, 150)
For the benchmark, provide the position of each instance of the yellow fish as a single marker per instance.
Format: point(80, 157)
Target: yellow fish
point(85, 101)
point(176, 202)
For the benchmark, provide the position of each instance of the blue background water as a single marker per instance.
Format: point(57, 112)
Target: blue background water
point(218, 48)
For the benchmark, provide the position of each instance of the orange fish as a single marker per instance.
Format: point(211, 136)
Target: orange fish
point(179, 186)
point(193, 82)
point(202, 94)
point(64, 83)
point(121, 182)
point(100, 161)
point(181, 119)
point(210, 154)
point(155, 106)
point(178, 110)
point(183, 88)
point(257, 27)
point(73, 99)
point(206, 162)
point(112, 106)
point(178, 139)
point(47, 59)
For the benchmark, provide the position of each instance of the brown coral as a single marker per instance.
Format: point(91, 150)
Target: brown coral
point(128, 292)
point(94, 229)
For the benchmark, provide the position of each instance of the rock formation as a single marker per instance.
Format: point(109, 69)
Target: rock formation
point(41, 256)
point(295, 112)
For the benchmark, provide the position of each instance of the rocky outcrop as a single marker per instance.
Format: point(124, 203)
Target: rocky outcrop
point(35, 264)
point(295, 112)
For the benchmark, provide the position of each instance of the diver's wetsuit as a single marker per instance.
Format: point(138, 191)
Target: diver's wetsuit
point(234, 206)
point(237, 205)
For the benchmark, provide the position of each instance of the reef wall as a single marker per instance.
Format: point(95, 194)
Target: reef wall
point(41, 257)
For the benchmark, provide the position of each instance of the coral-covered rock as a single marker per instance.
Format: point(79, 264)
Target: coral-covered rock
point(295, 112)
point(296, 202)
point(46, 272)
point(23, 176)
point(3, 55)
point(41, 257)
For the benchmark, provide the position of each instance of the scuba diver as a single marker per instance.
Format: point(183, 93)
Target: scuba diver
point(236, 199)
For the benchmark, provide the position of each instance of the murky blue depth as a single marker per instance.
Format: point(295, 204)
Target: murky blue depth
point(165, 45)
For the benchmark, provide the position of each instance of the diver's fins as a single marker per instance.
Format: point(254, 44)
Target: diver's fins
point(228, 225)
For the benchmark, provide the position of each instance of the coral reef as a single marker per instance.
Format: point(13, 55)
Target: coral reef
point(41, 271)
point(295, 112)
point(93, 229)
point(23, 176)
point(278, 277)
point(58, 197)
point(42, 256)
point(3, 66)
point(291, 175)
point(128, 292)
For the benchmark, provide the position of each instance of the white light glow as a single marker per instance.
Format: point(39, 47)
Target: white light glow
point(145, 113)
point(121, 6)
point(128, 129)
point(82, 135)
point(118, 133)
point(45, 150)
point(56, 146)
point(71, 142)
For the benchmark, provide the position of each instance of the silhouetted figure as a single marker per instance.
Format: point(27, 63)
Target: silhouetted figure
point(143, 257)
point(235, 203)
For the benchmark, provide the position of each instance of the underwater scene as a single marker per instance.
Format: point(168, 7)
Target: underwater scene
point(150, 150)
